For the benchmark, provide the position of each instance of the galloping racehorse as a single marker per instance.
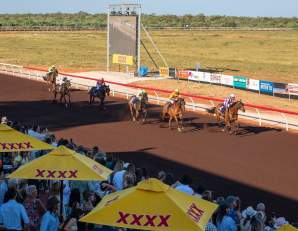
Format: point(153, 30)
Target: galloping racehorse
point(100, 93)
point(63, 90)
point(230, 116)
point(137, 107)
point(174, 111)
point(50, 78)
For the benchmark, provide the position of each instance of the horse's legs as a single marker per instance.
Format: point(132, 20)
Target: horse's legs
point(170, 122)
point(131, 112)
point(181, 120)
point(69, 101)
point(177, 122)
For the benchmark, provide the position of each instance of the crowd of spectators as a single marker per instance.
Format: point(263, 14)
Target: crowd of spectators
point(34, 204)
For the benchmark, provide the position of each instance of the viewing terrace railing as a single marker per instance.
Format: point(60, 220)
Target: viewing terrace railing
point(260, 114)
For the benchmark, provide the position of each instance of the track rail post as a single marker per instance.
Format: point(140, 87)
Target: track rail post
point(259, 115)
point(286, 121)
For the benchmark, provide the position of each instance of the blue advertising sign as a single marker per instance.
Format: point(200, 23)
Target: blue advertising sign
point(266, 87)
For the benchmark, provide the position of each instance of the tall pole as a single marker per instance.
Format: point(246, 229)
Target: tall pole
point(139, 39)
point(108, 40)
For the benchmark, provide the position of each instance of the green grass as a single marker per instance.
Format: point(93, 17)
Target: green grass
point(256, 54)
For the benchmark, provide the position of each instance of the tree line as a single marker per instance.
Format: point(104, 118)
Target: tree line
point(83, 19)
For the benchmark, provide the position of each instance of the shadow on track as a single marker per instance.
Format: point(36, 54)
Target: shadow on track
point(221, 186)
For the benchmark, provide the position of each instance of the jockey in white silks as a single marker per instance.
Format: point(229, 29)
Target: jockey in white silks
point(228, 102)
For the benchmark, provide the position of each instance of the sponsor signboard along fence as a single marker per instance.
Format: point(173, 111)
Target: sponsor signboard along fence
point(164, 71)
point(293, 88)
point(266, 87)
point(227, 80)
point(240, 82)
point(183, 74)
point(215, 78)
point(280, 88)
point(253, 84)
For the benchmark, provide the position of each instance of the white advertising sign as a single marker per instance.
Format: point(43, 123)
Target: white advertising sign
point(253, 84)
point(215, 78)
point(227, 80)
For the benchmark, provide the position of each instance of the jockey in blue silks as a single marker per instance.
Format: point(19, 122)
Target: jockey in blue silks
point(228, 102)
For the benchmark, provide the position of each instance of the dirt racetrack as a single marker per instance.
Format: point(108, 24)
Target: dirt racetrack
point(260, 164)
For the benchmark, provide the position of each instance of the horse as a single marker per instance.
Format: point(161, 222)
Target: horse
point(174, 111)
point(137, 107)
point(100, 93)
point(63, 90)
point(230, 116)
point(50, 78)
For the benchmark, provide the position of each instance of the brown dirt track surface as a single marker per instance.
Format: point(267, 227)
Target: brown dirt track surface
point(260, 164)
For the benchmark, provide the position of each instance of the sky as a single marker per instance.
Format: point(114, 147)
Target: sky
point(254, 8)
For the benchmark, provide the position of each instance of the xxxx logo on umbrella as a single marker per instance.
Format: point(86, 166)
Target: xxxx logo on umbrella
point(16, 146)
point(145, 220)
point(43, 173)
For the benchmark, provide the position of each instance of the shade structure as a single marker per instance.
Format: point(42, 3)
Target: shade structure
point(62, 164)
point(287, 228)
point(152, 205)
point(14, 141)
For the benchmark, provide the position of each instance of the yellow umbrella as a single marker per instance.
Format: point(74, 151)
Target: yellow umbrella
point(287, 228)
point(152, 205)
point(14, 141)
point(62, 164)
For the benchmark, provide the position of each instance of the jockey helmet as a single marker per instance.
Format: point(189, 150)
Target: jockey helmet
point(232, 96)
point(64, 79)
point(140, 92)
point(177, 90)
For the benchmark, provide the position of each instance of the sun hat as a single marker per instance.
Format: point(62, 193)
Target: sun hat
point(279, 222)
point(248, 212)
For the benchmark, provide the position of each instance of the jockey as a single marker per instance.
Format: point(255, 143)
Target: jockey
point(100, 83)
point(52, 69)
point(141, 93)
point(228, 102)
point(174, 96)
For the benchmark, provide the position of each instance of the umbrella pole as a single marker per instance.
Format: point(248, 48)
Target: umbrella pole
point(61, 199)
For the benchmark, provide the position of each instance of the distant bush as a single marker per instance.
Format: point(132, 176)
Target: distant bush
point(83, 19)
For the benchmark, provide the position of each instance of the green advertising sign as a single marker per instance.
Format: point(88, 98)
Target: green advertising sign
point(240, 82)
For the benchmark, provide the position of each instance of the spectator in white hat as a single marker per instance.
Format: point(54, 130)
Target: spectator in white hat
point(279, 222)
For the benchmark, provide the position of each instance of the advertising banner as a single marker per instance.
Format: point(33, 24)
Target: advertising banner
point(194, 76)
point(280, 88)
point(215, 78)
point(164, 71)
point(293, 88)
point(240, 82)
point(205, 77)
point(266, 86)
point(172, 72)
point(182, 74)
point(253, 84)
point(123, 59)
point(227, 80)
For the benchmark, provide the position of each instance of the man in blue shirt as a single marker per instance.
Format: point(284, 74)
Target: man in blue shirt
point(12, 213)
